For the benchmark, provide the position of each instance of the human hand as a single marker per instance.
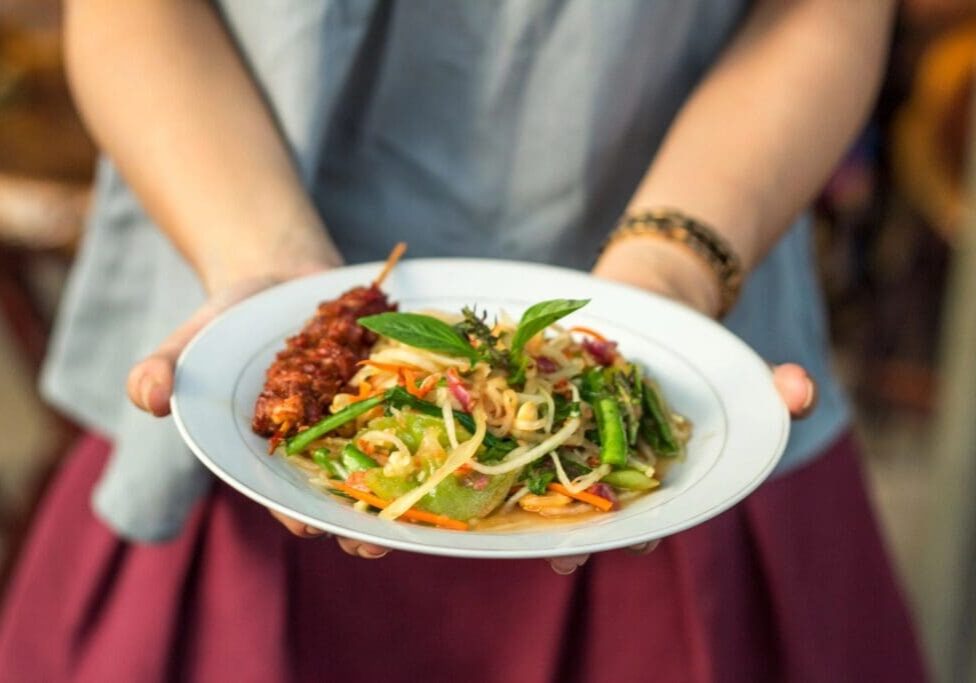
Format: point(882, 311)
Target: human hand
point(150, 381)
point(669, 269)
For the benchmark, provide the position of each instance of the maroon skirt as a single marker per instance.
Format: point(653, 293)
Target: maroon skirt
point(791, 585)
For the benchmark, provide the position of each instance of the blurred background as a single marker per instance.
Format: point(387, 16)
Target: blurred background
point(897, 246)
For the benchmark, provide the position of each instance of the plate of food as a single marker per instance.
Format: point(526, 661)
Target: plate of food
point(479, 408)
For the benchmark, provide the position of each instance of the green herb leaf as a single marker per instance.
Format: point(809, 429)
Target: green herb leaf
point(540, 316)
point(565, 409)
point(656, 425)
point(542, 472)
point(538, 476)
point(422, 332)
point(476, 327)
point(627, 384)
point(537, 318)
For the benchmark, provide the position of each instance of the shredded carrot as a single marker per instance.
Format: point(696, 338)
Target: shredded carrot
point(409, 378)
point(599, 502)
point(429, 383)
point(363, 395)
point(437, 520)
point(412, 514)
point(591, 332)
point(364, 389)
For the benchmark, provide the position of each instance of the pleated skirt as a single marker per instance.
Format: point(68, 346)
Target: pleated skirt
point(793, 584)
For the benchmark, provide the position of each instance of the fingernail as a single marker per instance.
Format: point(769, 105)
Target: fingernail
point(369, 554)
point(313, 531)
point(158, 399)
point(644, 548)
point(811, 393)
point(146, 386)
point(568, 566)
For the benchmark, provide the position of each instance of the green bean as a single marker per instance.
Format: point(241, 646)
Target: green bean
point(398, 398)
point(354, 459)
point(323, 459)
point(633, 480)
point(610, 425)
point(303, 440)
point(609, 419)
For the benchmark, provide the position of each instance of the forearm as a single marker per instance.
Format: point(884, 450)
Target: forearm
point(166, 95)
point(759, 136)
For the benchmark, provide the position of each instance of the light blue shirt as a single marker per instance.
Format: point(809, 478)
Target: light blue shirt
point(507, 129)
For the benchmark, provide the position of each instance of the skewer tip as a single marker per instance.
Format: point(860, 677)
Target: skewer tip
point(395, 254)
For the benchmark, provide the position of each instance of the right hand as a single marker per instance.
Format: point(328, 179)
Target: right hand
point(150, 382)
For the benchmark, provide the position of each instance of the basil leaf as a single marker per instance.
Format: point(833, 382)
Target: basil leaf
point(540, 316)
point(535, 319)
point(422, 332)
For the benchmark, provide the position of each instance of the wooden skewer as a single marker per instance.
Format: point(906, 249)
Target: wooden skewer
point(391, 261)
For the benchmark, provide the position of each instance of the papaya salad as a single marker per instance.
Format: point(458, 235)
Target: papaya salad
point(457, 422)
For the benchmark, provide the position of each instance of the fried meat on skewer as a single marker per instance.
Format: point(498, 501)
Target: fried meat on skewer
point(318, 362)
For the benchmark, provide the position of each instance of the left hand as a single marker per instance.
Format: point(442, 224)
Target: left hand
point(669, 269)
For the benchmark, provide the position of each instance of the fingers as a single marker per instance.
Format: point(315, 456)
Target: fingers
point(568, 564)
point(350, 546)
point(367, 551)
point(644, 548)
point(797, 389)
point(299, 529)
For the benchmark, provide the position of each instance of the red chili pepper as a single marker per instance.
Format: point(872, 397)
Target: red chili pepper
point(603, 352)
point(546, 364)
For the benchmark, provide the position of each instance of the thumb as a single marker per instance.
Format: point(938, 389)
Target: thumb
point(796, 388)
point(150, 381)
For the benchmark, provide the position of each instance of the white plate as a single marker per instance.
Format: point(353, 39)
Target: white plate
point(708, 374)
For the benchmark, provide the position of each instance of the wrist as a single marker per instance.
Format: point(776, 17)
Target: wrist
point(664, 267)
point(287, 255)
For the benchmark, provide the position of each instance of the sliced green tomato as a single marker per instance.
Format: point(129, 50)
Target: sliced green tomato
point(410, 428)
point(454, 499)
point(633, 480)
point(387, 488)
point(451, 498)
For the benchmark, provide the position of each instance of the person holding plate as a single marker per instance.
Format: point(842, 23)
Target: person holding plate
point(248, 143)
